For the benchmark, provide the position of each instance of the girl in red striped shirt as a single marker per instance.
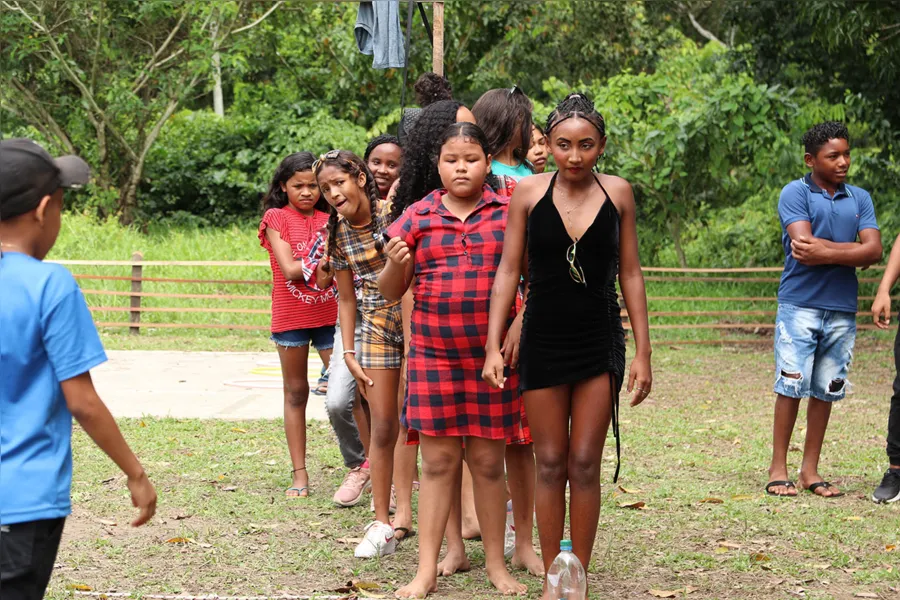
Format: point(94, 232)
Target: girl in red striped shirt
point(301, 314)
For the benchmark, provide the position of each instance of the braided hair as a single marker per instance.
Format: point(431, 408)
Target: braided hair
point(431, 87)
point(419, 174)
point(499, 113)
point(352, 165)
point(297, 162)
point(576, 105)
point(378, 141)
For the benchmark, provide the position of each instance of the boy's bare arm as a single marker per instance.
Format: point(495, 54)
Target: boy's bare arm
point(810, 250)
point(96, 420)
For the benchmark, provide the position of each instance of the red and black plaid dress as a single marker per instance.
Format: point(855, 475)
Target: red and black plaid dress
point(455, 263)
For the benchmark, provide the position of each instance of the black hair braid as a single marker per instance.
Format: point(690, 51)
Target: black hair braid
point(375, 225)
point(332, 238)
point(576, 105)
point(419, 174)
point(378, 141)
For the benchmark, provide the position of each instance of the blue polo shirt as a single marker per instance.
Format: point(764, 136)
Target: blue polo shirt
point(46, 336)
point(837, 218)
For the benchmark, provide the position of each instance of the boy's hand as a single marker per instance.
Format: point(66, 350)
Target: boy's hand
point(881, 310)
point(397, 251)
point(493, 370)
point(143, 496)
point(809, 251)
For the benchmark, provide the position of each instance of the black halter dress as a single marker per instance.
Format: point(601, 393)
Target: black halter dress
point(572, 331)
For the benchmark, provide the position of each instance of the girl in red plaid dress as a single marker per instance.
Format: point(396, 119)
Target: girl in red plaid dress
point(451, 241)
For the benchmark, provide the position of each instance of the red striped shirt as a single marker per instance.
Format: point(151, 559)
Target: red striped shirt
point(296, 305)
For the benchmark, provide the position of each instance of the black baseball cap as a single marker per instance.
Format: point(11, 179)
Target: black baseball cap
point(28, 173)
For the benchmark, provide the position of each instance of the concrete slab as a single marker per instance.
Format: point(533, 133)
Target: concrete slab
point(204, 385)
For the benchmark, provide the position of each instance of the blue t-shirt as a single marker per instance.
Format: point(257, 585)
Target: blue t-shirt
point(46, 336)
point(517, 173)
point(837, 218)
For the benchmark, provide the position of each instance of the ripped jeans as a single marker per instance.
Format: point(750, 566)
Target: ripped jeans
point(813, 351)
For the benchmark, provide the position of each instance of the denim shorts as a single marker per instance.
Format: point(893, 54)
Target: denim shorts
point(813, 351)
point(321, 337)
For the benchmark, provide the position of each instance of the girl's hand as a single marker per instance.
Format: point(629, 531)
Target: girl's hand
point(881, 310)
point(493, 369)
point(362, 380)
point(397, 251)
point(640, 379)
point(510, 349)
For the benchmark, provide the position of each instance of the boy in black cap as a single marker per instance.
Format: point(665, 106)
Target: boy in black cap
point(48, 344)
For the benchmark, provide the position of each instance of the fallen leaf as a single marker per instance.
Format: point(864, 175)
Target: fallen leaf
point(201, 544)
point(107, 522)
point(672, 593)
point(143, 424)
point(179, 540)
point(79, 587)
point(626, 490)
point(271, 463)
point(366, 585)
point(238, 430)
point(821, 567)
point(229, 488)
point(853, 518)
point(318, 535)
point(182, 517)
point(759, 557)
point(865, 595)
point(636, 505)
point(712, 500)
point(110, 480)
point(721, 550)
point(740, 497)
point(349, 541)
point(730, 545)
point(890, 547)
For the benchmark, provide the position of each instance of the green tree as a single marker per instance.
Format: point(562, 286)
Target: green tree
point(104, 76)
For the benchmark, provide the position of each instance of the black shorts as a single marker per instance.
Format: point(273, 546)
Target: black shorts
point(27, 554)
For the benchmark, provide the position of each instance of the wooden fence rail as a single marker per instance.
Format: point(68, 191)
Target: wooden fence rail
point(756, 331)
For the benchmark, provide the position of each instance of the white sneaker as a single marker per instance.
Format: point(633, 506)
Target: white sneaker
point(379, 541)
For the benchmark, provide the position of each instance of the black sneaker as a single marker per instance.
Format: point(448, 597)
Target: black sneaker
point(889, 490)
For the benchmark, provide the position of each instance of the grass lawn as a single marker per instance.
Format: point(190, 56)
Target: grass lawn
point(695, 453)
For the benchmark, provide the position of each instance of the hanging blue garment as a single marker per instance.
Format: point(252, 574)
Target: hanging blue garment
point(378, 33)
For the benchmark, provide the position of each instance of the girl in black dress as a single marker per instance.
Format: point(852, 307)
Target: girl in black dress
point(578, 228)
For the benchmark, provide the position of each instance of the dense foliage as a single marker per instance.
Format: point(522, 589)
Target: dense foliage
point(705, 99)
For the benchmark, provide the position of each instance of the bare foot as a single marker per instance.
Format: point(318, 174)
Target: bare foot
point(824, 489)
point(402, 523)
point(505, 583)
point(780, 474)
point(454, 562)
point(470, 530)
point(526, 558)
point(299, 486)
point(419, 587)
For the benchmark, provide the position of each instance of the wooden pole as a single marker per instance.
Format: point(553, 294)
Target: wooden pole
point(137, 273)
point(437, 60)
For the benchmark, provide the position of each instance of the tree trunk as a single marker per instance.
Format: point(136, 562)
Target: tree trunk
point(218, 100)
point(675, 231)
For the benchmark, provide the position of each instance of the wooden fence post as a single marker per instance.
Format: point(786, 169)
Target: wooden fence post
point(137, 273)
point(437, 59)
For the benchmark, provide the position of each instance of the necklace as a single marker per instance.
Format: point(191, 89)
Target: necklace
point(570, 209)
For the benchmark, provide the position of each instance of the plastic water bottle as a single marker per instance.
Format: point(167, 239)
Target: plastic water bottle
point(509, 539)
point(566, 579)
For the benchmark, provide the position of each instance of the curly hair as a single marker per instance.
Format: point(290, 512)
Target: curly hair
point(419, 174)
point(499, 113)
point(298, 162)
point(352, 165)
point(576, 105)
point(431, 87)
point(819, 134)
point(381, 139)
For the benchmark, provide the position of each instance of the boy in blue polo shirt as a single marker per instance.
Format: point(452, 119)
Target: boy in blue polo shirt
point(828, 230)
point(48, 344)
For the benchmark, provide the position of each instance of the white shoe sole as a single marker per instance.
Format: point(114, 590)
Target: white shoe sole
point(888, 501)
point(358, 499)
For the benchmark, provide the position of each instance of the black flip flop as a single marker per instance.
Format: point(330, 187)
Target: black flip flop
point(785, 483)
point(822, 484)
point(407, 533)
